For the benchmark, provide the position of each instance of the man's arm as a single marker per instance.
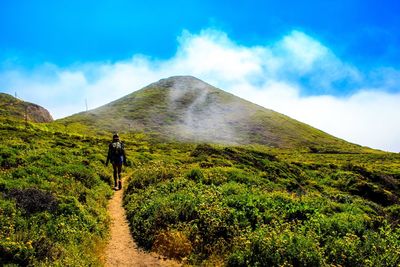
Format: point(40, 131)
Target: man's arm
point(108, 155)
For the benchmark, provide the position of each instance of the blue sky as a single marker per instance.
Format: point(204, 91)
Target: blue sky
point(64, 32)
point(332, 64)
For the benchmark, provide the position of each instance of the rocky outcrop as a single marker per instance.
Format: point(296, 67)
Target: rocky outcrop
point(37, 113)
point(16, 108)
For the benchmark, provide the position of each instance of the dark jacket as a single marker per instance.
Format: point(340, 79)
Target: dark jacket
point(116, 153)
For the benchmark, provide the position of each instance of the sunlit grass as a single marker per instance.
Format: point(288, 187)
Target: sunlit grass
point(259, 206)
point(202, 204)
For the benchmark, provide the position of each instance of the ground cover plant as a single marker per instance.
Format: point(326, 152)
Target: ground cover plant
point(254, 206)
point(202, 204)
point(53, 195)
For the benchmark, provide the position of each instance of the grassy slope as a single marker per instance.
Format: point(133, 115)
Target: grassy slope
point(11, 106)
point(205, 204)
point(243, 206)
point(247, 205)
point(53, 195)
point(150, 110)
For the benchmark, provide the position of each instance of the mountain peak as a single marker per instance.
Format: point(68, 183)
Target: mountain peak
point(185, 108)
point(181, 83)
point(180, 79)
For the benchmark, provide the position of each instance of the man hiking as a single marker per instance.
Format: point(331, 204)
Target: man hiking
point(116, 155)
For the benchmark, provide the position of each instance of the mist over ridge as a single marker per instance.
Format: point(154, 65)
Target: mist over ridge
point(205, 118)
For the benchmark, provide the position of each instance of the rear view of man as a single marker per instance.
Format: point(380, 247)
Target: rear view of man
point(116, 155)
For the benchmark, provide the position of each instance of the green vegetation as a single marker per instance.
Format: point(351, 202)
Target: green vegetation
point(53, 196)
point(243, 206)
point(202, 204)
point(307, 199)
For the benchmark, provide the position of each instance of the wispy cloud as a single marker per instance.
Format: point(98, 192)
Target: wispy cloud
point(297, 75)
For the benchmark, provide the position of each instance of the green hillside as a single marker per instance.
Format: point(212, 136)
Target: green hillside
point(183, 108)
point(53, 196)
point(11, 107)
point(307, 204)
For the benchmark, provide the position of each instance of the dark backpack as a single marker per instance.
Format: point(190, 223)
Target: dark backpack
point(117, 149)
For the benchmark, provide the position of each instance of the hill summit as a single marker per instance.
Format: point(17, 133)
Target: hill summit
point(185, 108)
point(12, 107)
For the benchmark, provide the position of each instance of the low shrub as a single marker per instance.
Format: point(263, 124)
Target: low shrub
point(33, 200)
point(195, 175)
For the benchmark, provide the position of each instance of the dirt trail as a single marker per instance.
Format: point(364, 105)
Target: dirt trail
point(121, 249)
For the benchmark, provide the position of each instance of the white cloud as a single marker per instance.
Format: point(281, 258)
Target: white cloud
point(301, 51)
point(271, 75)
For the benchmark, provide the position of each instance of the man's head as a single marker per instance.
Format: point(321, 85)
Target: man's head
point(116, 137)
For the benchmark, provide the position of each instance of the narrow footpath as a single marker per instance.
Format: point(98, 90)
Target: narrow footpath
point(121, 249)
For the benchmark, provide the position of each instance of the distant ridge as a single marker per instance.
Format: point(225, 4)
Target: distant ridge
point(15, 108)
point(184, 108)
